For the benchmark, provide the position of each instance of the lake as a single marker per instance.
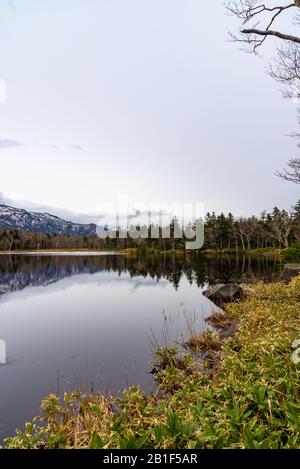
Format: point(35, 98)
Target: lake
point(87, 322)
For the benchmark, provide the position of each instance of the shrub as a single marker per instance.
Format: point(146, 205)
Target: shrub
point(292, 254)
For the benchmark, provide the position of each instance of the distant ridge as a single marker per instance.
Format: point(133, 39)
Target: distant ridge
point(22, 220)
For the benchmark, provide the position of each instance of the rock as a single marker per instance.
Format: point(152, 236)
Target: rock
point(291, 270)
point(220, 294)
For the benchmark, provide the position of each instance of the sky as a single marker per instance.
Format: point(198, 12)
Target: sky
point(144, 99)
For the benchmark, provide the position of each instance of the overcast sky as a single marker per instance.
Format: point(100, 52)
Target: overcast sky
point(143, 98)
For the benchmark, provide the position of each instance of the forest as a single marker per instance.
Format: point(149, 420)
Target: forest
point(278, 229)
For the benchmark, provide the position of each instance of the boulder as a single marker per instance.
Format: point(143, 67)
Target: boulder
point(224, 293)
point(291, 270)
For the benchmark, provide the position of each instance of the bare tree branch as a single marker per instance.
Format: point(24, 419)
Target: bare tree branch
point(258, 32)
point(286, 69)
point(249, 11)
point(293, 173)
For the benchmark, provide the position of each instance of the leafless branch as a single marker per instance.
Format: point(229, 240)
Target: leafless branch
point(291, 174)
point(249, 11)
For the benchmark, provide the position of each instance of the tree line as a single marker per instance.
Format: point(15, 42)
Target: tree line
point(277, 229)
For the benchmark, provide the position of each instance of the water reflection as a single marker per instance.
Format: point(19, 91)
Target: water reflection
point(18, 271)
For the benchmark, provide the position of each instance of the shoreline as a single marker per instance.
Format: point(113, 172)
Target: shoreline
point(253, 252)
point(49, 252)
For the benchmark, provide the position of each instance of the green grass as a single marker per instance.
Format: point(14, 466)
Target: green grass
point(248, 398)
point(160, 252)
point(292, 254)
point(272, 252)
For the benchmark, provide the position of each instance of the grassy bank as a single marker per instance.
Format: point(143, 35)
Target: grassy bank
point(154, 251)
point(272, 252)
point(244, 393)
point(266, 252)
point(292, 254)
point(263, 252)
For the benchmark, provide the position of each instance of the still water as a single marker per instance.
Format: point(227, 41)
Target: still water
point(86, 322)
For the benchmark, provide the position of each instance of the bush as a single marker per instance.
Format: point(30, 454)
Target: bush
point(292, 254)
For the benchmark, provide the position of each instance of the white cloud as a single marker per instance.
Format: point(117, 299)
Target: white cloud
point(7, 143)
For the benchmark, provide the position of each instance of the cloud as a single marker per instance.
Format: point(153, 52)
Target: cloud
point(7, 143)
point(2, 199)
point(8, 5)
point(10, 143)
point(77, 147)
point(136, 216)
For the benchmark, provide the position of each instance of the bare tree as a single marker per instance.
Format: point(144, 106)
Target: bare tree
point(281, 225)
point(259, 22)
point(287, 70)
point(291, 174)
point(245, 229)
point(260, 19)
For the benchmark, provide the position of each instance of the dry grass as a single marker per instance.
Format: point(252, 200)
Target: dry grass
point(167, 358)
point(75, 422)
point(205, 342)
point(220, 320)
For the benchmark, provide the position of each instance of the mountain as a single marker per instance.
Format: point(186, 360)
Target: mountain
point(22, 220)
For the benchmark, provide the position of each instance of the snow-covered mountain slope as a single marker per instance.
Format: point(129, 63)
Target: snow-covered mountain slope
point(19, 219)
